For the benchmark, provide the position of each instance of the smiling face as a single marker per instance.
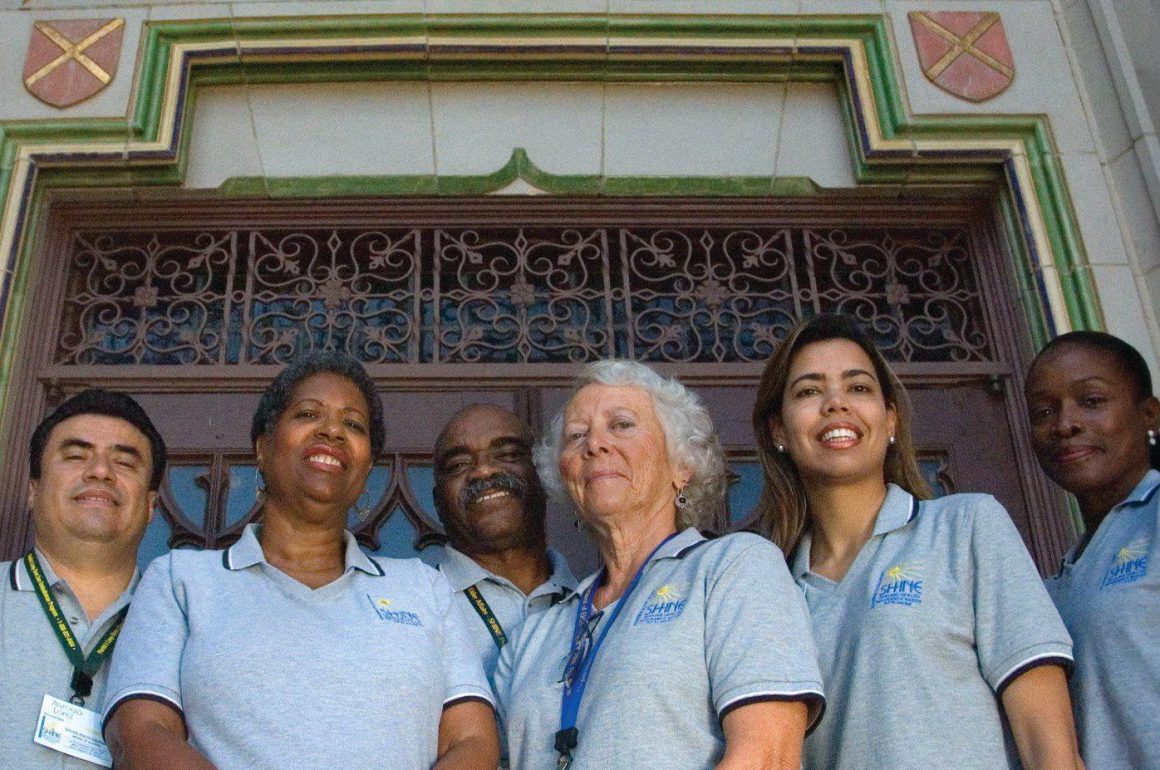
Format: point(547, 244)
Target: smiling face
point(93, 485)
point(318, 455)
point(1089, 425)
point(834, 420)
point(486, 489)
point(614, 460)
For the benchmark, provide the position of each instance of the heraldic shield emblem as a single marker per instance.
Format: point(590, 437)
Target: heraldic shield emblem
point(70, 60)
point(963, 53)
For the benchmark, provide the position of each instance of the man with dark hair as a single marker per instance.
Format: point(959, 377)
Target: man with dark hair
point(492, 506)
point(95, 466)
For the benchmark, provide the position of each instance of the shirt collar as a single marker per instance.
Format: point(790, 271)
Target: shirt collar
point(1144, 490)
point(898, 509)
point(674, 548)
point(248, 551)
point(462, 571)
point(20, 580)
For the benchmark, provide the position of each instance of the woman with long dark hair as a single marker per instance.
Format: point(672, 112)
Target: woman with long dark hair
point(1094, 425)
point(933, 629)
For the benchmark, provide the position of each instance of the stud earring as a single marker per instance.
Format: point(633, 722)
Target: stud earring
point(1151, 437)
point(682, 499)
point(260, 490)
point(892, 441)
point(781, 448)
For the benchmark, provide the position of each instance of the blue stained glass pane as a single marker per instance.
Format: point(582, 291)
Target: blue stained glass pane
point(377, 484)
point(397, 537)
point(422, 481)
point(746, 491)
point(155, 542)
point(191, 497)
point(930, 470)
point(243, 492)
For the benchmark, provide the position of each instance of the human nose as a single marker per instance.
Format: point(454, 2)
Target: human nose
point(99, 467)
point(835, 401)
point(1067, 422)
point(331, 426)
point(595, 442)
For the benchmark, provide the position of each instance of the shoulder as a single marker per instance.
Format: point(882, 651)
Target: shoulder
point(413, 575)
point(964, 511)
point(732, 547)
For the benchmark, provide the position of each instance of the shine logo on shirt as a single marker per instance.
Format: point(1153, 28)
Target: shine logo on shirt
point(1129, 564)
point(382, 608)
point(900, 584)
point(665, 605)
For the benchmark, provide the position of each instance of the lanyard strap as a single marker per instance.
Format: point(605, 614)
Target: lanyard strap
point(83, 668)
point(583, 655)
point(483, 609)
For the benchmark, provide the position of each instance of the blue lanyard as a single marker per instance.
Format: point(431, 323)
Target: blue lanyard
point(582, 656)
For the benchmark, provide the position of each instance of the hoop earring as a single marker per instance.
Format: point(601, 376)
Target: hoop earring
point(682, 499)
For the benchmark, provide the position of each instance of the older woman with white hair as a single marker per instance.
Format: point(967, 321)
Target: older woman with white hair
point(680, 652)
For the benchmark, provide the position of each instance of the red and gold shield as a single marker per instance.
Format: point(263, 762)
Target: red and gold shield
point(70, 60)
point(963, 52)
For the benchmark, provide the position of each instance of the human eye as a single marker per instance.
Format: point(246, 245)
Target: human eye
point(622, 423)
point(356, 426)
point(1093, 400)
point(455, 465)
point(806, 391)
point(126, 461)
point(572, 435)
point(1040, 412)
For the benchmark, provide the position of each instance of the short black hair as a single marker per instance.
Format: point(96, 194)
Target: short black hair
point(108, 404)
point(1127, 356)
point(277, 396)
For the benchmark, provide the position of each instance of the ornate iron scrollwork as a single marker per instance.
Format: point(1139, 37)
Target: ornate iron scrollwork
point(513, 295)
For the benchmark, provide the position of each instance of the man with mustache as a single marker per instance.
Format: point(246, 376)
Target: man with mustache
point(492, 506)
point(95, 465)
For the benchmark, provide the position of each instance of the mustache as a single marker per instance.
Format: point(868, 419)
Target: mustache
point(498, 482)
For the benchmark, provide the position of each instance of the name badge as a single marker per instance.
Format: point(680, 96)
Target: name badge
point(72, 730)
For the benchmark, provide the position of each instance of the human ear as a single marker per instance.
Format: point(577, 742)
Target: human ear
point(891, 420)
point(33, 488)
point(776, 430)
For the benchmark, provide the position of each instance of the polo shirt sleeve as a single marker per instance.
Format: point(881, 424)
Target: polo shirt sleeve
point(463, 676)
point(147, 659)
point(758, 643)
point(1016, 625)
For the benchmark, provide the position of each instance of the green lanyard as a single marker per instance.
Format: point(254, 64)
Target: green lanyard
point(489, 619)
point(83, 668)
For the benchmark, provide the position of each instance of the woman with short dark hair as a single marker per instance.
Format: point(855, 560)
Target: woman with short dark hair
point(293, 648)
point(1094, 424)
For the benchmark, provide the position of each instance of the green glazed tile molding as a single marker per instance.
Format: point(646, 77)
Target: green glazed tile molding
point(891, 150)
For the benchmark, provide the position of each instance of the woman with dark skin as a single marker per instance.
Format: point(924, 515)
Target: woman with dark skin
point(293, 648)
point(1094, 424)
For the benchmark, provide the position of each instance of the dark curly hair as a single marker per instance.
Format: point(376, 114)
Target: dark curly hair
point(276, 397)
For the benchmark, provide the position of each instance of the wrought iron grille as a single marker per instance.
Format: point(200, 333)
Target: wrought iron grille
point(512, 295)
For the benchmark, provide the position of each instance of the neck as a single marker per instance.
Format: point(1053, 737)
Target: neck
point(624, 546)
point(842, 519)
point(95, 572)
point(1095, 506)
point(527, 567)
point(311, 553)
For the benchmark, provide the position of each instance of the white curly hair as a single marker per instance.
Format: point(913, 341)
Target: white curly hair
point(690, 438)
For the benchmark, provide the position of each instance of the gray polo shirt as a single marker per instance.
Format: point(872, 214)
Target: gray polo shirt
point(508, 603)
point(269, 673)
point(941, 608)
point(33, 664)
point(1110, 600)
point(713, 625)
